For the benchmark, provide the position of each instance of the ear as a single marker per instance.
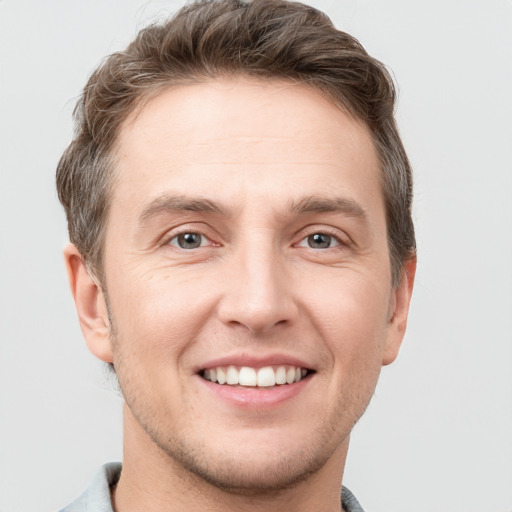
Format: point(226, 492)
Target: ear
point(90, 305)
point(399, 311)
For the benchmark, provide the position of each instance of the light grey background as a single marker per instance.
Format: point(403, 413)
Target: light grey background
point(438, 434)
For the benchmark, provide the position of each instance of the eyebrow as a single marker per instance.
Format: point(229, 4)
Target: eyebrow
point(177, 204)
point(344, 205)
point(312, 204)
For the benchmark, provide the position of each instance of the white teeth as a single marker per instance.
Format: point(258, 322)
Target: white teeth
point(281, 375)
point(221, 375)
point(232, 376)
point(290, 375)
point(247, 376)
point(267, 376)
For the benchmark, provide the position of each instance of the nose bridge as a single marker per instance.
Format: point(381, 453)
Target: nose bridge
point(258, 296)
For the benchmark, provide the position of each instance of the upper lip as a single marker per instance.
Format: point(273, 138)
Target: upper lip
point(254, 361)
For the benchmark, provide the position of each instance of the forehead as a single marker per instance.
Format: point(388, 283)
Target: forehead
point(241, 138)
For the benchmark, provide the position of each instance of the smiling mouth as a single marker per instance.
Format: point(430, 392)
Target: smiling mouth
point(246, 376)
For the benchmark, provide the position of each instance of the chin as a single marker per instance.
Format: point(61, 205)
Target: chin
point(248, 474)
point(252, 462)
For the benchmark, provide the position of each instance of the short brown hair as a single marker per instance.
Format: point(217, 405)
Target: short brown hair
point(266, 39)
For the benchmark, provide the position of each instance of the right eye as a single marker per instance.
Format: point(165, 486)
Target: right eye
point(189, 240)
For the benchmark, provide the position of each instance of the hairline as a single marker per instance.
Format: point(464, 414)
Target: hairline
point(109, 156)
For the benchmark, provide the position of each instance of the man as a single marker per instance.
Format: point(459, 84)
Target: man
point(242, 254)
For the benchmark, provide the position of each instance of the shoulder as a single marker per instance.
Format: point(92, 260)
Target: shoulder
point(349, 501)
point(96, 497)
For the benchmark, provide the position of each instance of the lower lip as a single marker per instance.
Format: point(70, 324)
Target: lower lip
point(256, 397)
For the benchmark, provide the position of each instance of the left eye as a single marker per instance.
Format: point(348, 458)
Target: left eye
point(188, 240)
point(320, 241)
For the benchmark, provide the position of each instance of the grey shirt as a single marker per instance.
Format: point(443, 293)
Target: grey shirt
point(96, 498)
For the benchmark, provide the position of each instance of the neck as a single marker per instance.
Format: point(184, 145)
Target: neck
point(152, 480)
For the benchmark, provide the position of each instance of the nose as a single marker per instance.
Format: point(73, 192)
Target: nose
point(259, 291)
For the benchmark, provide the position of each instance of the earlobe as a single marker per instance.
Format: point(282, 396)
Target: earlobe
point(90, 305)
point(400, 303)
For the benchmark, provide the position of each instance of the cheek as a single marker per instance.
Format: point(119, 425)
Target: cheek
point(155, 316)
point(155, 319)
point(351, 318)
point(351, 314)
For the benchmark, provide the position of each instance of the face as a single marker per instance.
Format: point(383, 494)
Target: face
point(248, 280)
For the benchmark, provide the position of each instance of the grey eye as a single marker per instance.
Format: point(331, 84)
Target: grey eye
point(320, 241)
point(187, 240)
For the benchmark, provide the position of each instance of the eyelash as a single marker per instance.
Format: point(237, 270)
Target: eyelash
point(304, 239)
point(175, 235)
point(342, 240)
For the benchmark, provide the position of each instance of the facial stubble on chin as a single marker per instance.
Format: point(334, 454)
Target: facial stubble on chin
point(189, 458)
point(193, 462)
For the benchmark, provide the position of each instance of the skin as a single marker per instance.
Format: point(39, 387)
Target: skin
point(276, 163)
